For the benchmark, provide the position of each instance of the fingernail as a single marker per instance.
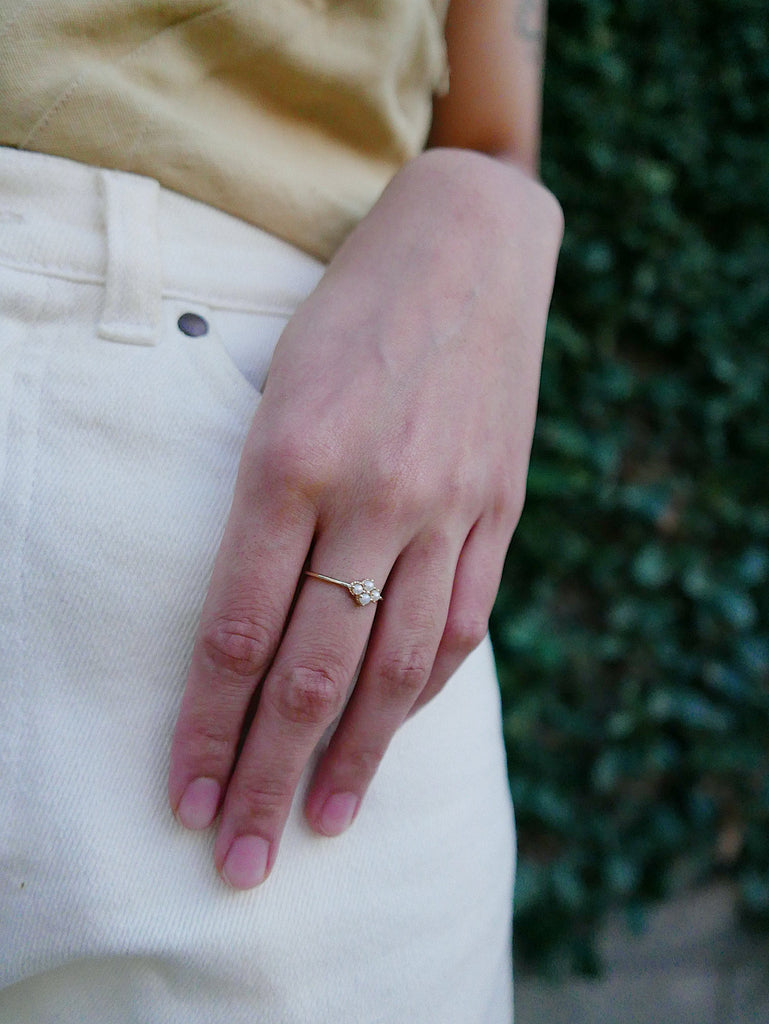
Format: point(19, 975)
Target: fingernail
point(338, 812)
point(246, 863)
point(198, 805)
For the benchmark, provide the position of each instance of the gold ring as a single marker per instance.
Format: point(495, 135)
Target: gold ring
point(363, 592)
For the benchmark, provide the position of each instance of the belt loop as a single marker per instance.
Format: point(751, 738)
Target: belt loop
point(133, 286)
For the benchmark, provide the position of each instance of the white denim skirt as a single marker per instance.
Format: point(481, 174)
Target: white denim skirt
point(120, 434)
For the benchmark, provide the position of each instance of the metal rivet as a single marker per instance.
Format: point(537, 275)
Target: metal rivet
point(193, 325)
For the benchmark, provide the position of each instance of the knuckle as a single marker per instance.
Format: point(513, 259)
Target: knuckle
point(308, 696)
point(285, 459)
point(258, 805)
point(507, 504)
point(465, 631)
point(361, 764)
point(210, 738)
point(402, 676)
point(260, 801)
point(294, 462)
point(236, 648)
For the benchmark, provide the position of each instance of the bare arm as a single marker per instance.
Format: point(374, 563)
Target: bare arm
point(496, 56)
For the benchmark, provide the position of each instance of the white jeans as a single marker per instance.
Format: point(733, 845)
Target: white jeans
point(119, 442)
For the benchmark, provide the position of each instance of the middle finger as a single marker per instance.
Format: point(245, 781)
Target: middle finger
point(304, 691)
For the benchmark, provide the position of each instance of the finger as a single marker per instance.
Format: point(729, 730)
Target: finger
point(476, 583)
point(397, 666)
point(304, 692)
point(253, 583)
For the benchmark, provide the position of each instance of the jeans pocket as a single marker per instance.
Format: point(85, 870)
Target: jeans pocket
point(230, 350)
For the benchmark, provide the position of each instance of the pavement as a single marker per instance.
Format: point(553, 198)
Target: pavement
point(692, 964)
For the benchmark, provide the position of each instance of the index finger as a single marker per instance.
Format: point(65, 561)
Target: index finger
point(254, 580)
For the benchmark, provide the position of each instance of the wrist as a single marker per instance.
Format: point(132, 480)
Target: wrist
point(478, 182)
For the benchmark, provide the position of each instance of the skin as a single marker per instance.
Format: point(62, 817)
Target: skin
point(392, 441)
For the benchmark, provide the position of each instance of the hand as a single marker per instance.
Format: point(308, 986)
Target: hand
point(391, 442)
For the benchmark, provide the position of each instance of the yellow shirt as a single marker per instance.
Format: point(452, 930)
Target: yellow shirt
point(292, 114)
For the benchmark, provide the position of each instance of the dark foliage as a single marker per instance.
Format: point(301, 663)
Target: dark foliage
point(632, 628)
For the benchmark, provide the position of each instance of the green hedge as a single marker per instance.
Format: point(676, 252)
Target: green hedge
point(632, 629)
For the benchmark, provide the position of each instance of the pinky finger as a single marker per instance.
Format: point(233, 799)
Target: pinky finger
point(476, 582)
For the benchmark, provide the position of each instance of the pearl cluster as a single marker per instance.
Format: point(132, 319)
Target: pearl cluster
point(364, 592)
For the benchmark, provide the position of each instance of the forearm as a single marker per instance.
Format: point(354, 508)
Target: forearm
point(496, 57)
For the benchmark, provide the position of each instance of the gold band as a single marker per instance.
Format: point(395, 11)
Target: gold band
point(363, 592)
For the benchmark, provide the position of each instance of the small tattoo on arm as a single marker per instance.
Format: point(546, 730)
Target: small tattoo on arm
point(529, 23)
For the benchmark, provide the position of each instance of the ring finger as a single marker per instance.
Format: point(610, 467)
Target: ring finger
point(396, 668)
